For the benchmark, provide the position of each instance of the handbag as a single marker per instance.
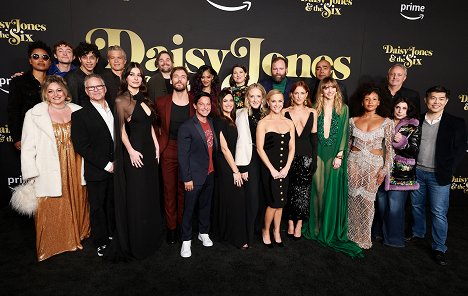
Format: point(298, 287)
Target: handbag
point(23, 198)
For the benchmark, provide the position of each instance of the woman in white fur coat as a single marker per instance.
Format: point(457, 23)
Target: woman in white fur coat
point(48, 157)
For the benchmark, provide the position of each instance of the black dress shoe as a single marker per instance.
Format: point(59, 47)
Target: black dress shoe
point(279, 244)
point(413, 239)
point(171, 237)
point(439, 257)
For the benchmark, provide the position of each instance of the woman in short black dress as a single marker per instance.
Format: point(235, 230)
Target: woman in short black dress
point(275, 146)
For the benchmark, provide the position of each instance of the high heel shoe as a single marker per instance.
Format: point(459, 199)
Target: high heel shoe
point(290, 235)
point(279, 244)
point(297, 238)
point(269, 246)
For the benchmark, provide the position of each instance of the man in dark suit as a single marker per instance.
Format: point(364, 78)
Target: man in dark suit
point(92, 134)
point(443, 145)
point(278, 79)
point(196, 145)
point(394, 89)
point(173, 110)
point(117, 59)
point(159, 84)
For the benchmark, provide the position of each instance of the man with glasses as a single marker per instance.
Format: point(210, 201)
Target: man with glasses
point(63, 53)
point(160, 83)
point(117, 59)
point(88, 55)
point(25, 90)
point(92, 134)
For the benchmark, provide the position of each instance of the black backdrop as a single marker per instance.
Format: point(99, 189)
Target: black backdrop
point(360, 38)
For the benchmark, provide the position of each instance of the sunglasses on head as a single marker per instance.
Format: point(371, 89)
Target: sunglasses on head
point(36, 56)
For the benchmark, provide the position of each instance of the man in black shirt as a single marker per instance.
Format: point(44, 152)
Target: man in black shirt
point(160, 83)
point(395, 89)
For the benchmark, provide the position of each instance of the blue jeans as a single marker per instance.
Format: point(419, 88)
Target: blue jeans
point(439, 203)
point(391, 207)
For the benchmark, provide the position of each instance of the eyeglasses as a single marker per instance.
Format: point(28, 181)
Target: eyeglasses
point(95, 87)
point(36, 56)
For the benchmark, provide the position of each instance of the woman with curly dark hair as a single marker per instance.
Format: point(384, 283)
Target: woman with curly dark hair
point(402, 178)
point(207, 80)
point(137, 206)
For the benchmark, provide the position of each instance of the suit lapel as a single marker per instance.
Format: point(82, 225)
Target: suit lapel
point(199, 128)
point(168, 110)
point(95, 113)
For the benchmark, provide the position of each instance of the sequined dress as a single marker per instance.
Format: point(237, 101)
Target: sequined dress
point(328, 222)
point(301, 172)
point(63, 222)
point(363, 168)
point(276, 147)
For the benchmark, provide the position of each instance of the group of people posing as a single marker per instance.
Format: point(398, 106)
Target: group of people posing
point(107, 150)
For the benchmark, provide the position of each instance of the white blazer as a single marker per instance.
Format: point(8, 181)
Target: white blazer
point(244, 138)
point(39, 153)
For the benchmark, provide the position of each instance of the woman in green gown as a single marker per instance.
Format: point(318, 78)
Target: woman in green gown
point(327, 223)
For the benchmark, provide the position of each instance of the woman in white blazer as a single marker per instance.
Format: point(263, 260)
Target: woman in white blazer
point(246, 158)
point(48, 158)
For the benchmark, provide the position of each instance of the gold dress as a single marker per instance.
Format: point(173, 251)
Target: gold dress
point(63, 222)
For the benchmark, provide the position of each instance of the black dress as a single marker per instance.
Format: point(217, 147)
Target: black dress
point(137, 201)
point(276, 147)
point(230, 201)
point(302, 170)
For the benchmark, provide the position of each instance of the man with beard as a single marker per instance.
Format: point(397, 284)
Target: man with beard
point(173, 110)
point(25, 90)
point(160, 83)
point(117, 59)
point(278, 79)
point(88, 55)
point(63, 53)
point(324, 69)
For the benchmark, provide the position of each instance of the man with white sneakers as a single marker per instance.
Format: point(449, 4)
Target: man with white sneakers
point(196, 145)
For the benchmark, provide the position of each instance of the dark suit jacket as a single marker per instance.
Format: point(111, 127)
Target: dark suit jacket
point(92, 140)
point(75, 82)
point(112, 85)
point(192, 151)
point(25, 92)
point(411, 95)
point(450, 146)
point(157, 87)
point(163, 111)
point(267, 83)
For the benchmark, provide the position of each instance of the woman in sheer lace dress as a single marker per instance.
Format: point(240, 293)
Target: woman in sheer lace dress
point(328, 205)
point(370, 158)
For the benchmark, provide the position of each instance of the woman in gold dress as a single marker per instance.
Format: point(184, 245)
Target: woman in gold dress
point(48, 157)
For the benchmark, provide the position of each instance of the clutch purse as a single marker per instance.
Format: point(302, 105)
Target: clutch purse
point(23, 199)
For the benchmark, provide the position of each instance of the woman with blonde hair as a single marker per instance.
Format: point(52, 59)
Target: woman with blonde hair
point(48, 157)
point(328, 222)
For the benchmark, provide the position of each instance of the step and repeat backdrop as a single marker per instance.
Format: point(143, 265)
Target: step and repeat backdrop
point(360, 38)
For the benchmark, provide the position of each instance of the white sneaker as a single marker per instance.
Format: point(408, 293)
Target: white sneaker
point(205, 238)
point(186, 251)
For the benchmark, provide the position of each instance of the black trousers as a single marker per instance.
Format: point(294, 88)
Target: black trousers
point(203, 195)
point(101, 204)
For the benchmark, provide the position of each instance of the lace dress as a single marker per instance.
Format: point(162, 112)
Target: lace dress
point(363, 168)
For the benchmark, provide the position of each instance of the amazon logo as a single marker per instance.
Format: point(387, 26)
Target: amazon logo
point(244, 5)
point(412, 11)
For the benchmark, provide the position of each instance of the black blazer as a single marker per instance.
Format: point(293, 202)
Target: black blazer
point(92, 140)
point(450, 146)
point(192, 151)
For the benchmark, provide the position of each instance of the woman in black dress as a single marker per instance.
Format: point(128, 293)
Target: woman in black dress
point(305, 159)
point(137, 205)
point(230, 194)
point(275, 146)
point(247, 159)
